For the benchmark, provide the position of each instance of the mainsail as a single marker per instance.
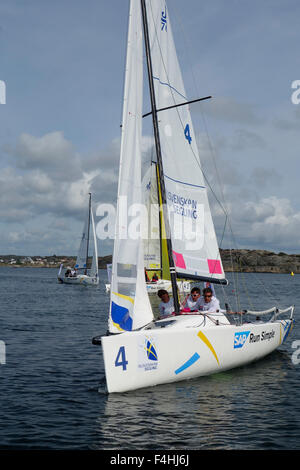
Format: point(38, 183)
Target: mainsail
point(194, 244)
point(81, 256)
point(128, 288)
point(86, 246)
point(94, 266)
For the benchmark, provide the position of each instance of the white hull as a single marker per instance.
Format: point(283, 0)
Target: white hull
point(80, 279)
point(154, 287)
point(186, 347)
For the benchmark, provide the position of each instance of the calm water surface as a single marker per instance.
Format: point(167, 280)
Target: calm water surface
point(52, 386)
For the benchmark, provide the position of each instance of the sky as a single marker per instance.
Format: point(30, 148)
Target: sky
point(63, 66)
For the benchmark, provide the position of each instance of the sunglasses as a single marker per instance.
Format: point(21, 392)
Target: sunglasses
point(207, 295)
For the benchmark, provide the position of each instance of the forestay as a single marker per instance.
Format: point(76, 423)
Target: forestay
point(128, 288)
point(194, 242)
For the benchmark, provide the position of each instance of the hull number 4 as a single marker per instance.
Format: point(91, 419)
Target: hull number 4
point(121, 358)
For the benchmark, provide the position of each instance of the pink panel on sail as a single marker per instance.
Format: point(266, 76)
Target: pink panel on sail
point(214, 266)
point(179, 260)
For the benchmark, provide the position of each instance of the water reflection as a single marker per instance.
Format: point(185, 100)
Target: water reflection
point(233, 409)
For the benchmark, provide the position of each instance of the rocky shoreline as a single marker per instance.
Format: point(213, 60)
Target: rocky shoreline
point(260, 261)
point(243, 260)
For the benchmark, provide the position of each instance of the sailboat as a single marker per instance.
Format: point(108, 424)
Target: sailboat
point(138, 350)
point(81, 274)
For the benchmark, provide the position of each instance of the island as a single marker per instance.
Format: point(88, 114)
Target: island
point(238, 260)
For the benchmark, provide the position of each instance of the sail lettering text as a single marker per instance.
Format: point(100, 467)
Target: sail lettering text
point(182, 205)
point(164, 20)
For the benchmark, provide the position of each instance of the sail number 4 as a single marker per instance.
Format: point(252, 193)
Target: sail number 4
point(187, 133)
point(121, 358)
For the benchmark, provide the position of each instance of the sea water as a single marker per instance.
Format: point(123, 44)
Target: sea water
point(52, 382)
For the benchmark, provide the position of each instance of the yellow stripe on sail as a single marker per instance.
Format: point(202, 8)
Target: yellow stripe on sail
point(116, 325)
point(126, 297)
point(164, 250)
point(208, 344)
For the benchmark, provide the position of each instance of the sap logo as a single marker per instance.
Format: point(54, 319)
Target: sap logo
point(240, 339)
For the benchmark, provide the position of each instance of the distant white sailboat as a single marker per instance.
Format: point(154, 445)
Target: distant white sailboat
point(81, 274)
point(139, 351)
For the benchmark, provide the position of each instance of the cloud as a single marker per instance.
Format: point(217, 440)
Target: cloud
point(228, 109)
point(289, 122)
point(45, 176)
point(51, 153)
point(44, 191)
point(278, 223)
point(270, 221)
point(261, 176)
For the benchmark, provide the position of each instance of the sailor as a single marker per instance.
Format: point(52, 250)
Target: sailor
point(209, 284)
point(190, 302)
point(166, 307)
point(208, 302)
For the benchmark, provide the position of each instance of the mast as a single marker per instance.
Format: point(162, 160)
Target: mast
point(88, 236)
point(159, 159)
